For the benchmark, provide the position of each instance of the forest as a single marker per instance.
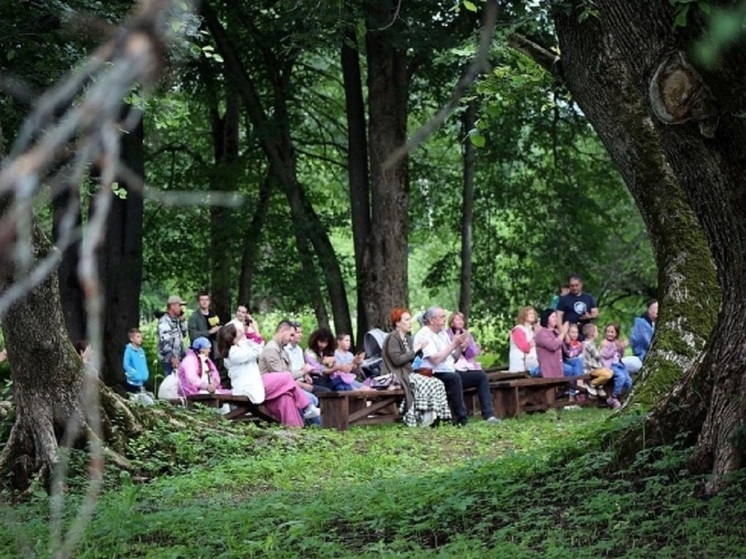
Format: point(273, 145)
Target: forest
point(328, 161)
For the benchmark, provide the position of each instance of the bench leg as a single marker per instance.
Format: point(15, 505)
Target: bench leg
point(335, 413)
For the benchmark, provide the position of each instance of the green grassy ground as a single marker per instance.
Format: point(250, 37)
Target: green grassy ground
point(540, 486)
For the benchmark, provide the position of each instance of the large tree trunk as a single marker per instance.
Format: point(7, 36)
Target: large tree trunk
point(121, 262)
point(225, 130)
point(388, 86)
point(357, 165)
point(467, 210)
point(710, 401)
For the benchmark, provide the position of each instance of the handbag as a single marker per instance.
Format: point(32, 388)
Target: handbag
point(382, 382)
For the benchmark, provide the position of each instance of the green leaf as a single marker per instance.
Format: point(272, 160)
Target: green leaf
point(477, 140)
point(471, 6)
point(705, 7)
point(681, 17)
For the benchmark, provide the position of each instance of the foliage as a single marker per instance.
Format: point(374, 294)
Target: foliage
point(538, 486)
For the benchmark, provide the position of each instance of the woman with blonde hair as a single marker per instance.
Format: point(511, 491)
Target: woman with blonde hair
point(469, 348)
point(522, 356)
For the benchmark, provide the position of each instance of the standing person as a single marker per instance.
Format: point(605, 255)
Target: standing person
point(440, 354)
point(135, 363)
point(171, 334)
point(278, 391)
point(425, 399)
point(577, 307)
point(549, 344)
point(522, 356)
point(641, 337)
point(204, 323)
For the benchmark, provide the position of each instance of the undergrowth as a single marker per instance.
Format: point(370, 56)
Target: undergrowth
point(540, 486)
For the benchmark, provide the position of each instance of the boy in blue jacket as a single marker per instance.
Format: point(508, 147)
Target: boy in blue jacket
point(135, 363)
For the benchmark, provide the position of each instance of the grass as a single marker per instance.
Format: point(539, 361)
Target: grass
point(540, 486)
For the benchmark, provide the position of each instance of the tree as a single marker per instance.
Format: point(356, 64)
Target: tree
point(681, 130)
point(50, 388)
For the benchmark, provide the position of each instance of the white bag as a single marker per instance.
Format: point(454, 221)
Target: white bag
point(169, 388)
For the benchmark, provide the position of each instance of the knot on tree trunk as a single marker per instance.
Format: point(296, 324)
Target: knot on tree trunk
point(678, 94)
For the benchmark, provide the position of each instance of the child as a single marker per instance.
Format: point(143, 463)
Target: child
point(572, 353)
point(612, 350)
point(135, 363)
point(593, 366)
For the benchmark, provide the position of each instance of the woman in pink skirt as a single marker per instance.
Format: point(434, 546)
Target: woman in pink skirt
point(278, 391)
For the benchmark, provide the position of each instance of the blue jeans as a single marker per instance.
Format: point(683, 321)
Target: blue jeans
point(573, 367)
point(622, 380)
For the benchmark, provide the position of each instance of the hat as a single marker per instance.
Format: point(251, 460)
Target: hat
point(175, 299)
point(201, 343)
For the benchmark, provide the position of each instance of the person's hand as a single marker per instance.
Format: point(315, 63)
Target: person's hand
point(624, 343)
point(537, 327)
point(359, 358)
point(564, 328)
point(307, 379)
point(305, 385)
point(328, 361)
point(214, 329)
point(306, 369)
point(211, 388)
point(344, 368)
point(175, 361)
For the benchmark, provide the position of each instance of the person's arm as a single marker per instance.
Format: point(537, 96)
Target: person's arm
point(195, 326)
point(472, 349)
point(130, 371)
point(395, 351)
point(165, 341)
point(190, 379)
point(442, 355)
point(548, 340)
point(520, 339)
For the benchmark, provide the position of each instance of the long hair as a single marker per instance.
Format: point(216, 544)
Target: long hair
point(322, 334)
point(226, 336)
point(454, 315)
point(523, 314)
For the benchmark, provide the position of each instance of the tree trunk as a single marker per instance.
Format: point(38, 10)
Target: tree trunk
point(73, 307)
point(121, 262)
point(251, 242)
point(710, 401)
point(225, 141)
point(467, 210)
point(357, 165)
point(388, 86)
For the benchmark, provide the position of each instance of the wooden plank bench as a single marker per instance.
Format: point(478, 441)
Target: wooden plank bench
point(340, 410)
point(514, 396)
point(242, 409)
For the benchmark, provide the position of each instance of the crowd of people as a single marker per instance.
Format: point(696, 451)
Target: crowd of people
point(563, 342)
point(433, 367)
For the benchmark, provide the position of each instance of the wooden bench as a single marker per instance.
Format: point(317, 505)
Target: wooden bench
point(514, 396)
point(242, 409)
point(340, 410)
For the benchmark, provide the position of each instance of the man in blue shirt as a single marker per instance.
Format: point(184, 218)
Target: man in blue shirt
point(577, 307)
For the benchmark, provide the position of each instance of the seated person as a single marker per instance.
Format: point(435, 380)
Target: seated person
point(320, 356)
point(469, 348)
point(349, 363)
point(593, 365)
point(440, 354)
point(549, 344)
point(641, 337)
point(135, 363)
point(278, 391)
point(572, 352)
point(197, 373)
point(522, 356)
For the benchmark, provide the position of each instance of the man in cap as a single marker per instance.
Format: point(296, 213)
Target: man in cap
point(171, 333)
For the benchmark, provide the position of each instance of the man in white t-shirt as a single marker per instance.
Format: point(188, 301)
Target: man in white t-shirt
point(441, 354)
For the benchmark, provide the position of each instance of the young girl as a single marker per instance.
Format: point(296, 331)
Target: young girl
point(522, 345)
point(350, 364)
point(470, 349)
point(612, 351)
point(572, 353)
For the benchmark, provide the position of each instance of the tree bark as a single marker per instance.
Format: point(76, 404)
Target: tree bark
point(386, 258)
point(357, 165)
point(467, 209)
point(225, 130)
point(120, 261)
point(710, 400)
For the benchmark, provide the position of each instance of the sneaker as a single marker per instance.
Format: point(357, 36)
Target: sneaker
point(428, 417)
point(591, 390)
point(613, 402)
point(311, 411)
point(493, 420)
point(601, 392)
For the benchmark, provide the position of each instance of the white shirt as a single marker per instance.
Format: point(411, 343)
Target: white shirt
point(243, 370)
point(297, 359)
point(438, 342)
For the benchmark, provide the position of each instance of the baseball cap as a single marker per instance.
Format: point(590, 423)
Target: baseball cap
point(175, 299)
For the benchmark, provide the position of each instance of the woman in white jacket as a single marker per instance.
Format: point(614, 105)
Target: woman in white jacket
point(278, 391)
